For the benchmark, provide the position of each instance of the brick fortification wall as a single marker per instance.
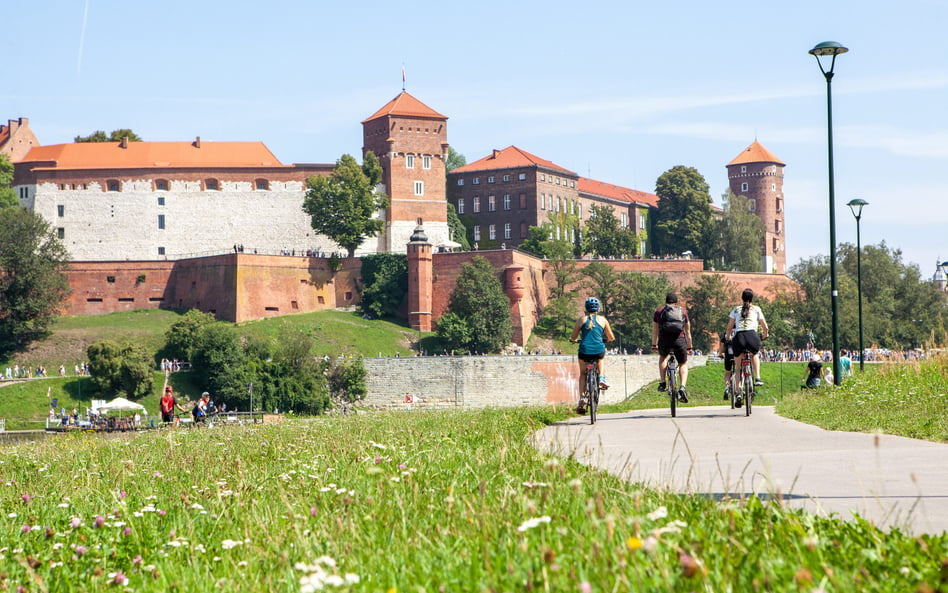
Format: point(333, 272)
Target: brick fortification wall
point(499, 381)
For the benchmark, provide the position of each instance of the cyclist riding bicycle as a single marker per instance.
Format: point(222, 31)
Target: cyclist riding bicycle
point(727, 351)
point(671, 334)
point(592, 331)
point(744, 321)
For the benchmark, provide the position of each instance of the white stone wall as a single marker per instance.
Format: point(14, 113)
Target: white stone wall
point(100, 225)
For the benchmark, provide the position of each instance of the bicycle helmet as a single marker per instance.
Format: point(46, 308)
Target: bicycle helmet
point(592, 305)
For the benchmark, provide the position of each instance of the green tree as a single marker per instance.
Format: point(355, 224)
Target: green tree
point(455, 159)
point(478, 317)
point(292, 379)
point(709, 301)
point(8, 196)
point(738, 235)
point(561, 309)
point(385, 281)
point(218, 363)
point(32, 280)
point(115, 136)
point(604, 237)
point(683, 219)
point(179, 339)
point(642, 295)
point(120, 369)
point(343, 205)
point(456, 228)
point(346, 379)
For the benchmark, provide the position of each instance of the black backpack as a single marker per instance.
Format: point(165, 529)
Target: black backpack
point(673, 321)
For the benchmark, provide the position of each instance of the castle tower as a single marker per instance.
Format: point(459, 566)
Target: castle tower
point(411, 142)
point(757, 175)
point(16, 138)
point(420, 278)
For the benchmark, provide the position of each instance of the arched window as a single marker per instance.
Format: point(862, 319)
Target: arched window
point(261, 185)
point(211, 185)
point(113, 185)
point(162, 185)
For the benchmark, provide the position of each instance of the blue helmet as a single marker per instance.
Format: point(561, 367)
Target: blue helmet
point(592, 305)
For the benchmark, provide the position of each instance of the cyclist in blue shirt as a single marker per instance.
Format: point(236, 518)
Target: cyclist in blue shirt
point(592, 331)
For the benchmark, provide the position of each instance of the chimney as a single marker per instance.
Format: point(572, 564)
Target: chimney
point(124, 143)
point(197, 142)
point(496, 153)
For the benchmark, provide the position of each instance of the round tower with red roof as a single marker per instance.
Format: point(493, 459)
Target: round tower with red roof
point(757, 175)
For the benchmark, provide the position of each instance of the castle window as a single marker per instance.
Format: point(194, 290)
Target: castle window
point(477, 204)
point(625, 220)
point(490, 179)
point(773, 187)
point(492, 232)
point(777, 226)
point(507, 203)
point(476, 181)
point(744, 187)
point(579, 211)
point(61, 210)
point(522, 177)
point(752, 205)
point(61, 233)
point(491, 203)
point(62, 187)
point(110, 279)
point(161, 221)
point(409, 161)
point(460, 181)
point(161, 200)
point(506, 230)
point(112, 185)
point(557, 181)
point(211, 185)
point(419, 188)
point(641, 221)
point(572, 184)
point(161, 251)
point(542, 201)
point(743, 168)
point(506, 177)
point(477, 232)
point(779, 205)
point(262, 184)
point(161, 185)
point(460, 205)
point(426, 162)
point(542, 176)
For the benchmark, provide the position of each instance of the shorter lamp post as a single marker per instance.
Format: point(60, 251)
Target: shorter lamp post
point(856, 205)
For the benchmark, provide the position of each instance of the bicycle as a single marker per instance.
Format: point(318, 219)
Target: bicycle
point(592, 390)
point(671, 383)
point(742, 393)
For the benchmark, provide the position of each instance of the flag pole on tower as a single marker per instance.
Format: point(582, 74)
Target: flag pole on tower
point(403, 77)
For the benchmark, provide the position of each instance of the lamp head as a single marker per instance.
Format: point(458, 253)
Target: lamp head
point(856, 205)
point(828, 48)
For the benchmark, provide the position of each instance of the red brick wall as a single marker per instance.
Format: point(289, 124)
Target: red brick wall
point(134, 285)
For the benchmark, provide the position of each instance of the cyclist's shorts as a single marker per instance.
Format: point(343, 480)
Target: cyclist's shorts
point(728, 357)
point(678, 345)
point(592, 357)
point(746, 341)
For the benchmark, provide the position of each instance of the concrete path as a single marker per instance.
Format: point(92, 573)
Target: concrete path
point(716, 451)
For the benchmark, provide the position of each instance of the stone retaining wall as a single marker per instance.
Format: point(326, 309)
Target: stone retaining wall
point(499, 381)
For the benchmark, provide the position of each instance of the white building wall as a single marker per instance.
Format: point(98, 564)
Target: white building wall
point(100, 225)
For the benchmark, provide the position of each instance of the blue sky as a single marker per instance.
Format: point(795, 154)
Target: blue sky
point(619, 91)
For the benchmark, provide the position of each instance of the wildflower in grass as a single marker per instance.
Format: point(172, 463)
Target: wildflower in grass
point(228, 544)
point(585, 587)
point(98, 522)
point(659, 513)
point(689, 566)
point(80, 550)
point(312, 511)
point(118, 578)
point(26, 498)
point(137, 560)
point(650, 543)
point(63, 505)
point(634, 543)
point(534, 522)
point(127, 531)
point(25, 529)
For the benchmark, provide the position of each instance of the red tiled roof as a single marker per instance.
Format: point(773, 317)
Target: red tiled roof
point(616, 192)
point(407, 106)
point(755, 153)
point(509, 158)
point(147, 155)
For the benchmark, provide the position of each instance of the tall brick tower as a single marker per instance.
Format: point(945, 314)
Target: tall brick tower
point(411, 142)
point(757, 175)
point(420, 278)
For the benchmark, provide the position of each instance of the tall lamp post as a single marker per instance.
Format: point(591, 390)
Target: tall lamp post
point(856, 206)
point(827, 52)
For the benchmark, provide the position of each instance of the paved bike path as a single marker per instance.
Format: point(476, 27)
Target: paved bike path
point(713, 450)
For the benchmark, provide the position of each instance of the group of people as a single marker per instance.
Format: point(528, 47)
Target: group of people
point(202, 409)
point(671, 336)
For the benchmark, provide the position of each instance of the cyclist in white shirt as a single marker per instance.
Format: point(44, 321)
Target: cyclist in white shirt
point(744, 321)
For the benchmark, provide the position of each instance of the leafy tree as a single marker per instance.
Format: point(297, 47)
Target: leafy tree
point(478, 317)
point(346, 379)
point(683, 219)
point(560, 312)
point(120, 369)
point(292, 379)
point(457, 229)
point(604, 237)
point(8, 196)
point(32, 283)
point(709, 302)
point(219, 364)
point(738, 235)
point(455, 159)
point(343, 205)
point(385, 278)
point(115, 136)
point(179, 339)
point(642, 295)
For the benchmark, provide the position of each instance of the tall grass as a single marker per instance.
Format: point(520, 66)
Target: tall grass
point(907, 399)
point(400, 502)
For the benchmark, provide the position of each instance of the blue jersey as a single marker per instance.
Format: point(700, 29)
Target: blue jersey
point(591, 341)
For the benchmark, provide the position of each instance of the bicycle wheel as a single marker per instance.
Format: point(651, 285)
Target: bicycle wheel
point(732, 393)
point(671, 383)
point(748, 393)
point(592, 392)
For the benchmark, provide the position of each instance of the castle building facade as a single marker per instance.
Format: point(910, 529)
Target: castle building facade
point(757, 175)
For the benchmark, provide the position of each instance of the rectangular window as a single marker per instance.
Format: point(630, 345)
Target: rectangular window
point(506, 177)
point(161, 221)
point(506, 230)
point(161, 251)
point(625, 220)
point(460, 181)
point(477, 204)
point(743, 168)
point(476, 181)
point(492, 232)
point(490, 179)
point(491, 203)
point(557, 181)
point(773, 187)
point(542, 201)
point(460, 205)
point(641, 221)
point(522, 177)
point(61, 210)
point(419, 188)
point(477, 232)
point(507, 203)
point(743, 187)
point(579, 211)
point(161, 201)
point(426, 162)
point(409, 161)
point(61, 233)
point(542, 176)
point(556, 203)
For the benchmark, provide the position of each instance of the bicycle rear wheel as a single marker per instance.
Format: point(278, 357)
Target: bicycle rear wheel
point(592, 392)
point(748, 393)
point(671, 383)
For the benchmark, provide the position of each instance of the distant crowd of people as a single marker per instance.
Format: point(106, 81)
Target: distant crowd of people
point(39, 372)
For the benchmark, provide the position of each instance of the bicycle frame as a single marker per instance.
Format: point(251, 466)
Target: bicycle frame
point(671, 382)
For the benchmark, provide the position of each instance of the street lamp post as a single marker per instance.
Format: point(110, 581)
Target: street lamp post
point(856, 205)
point(828, 50)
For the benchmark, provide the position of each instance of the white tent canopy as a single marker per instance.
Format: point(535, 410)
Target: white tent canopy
point(448, 244)
point(120, 404)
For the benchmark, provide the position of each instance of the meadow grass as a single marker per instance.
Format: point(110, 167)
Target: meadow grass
point(404, 502)
point(906, 399)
